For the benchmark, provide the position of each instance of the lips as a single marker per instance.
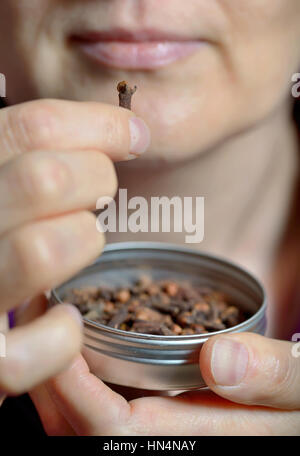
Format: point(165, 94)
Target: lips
point(143, 49)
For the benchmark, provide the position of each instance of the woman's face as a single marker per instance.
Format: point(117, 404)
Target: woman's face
point(238, 75)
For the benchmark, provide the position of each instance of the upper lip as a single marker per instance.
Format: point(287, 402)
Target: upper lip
point(126, 35)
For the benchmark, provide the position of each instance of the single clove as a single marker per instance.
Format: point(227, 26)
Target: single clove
point(125, 94)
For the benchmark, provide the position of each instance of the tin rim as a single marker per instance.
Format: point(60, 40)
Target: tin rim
point(169, 247)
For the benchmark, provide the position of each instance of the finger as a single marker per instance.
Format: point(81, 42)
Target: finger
point(37, 257)
point(97, 410)
point(86, 402)
point(252, 369)
point(40, 349)
point(53, 422)
point(202, 413)
point(58, 124)
point(42, 184)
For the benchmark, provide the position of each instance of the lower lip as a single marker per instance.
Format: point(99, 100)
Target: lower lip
point(138, 55)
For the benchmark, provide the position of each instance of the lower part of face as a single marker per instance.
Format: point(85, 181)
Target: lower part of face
point(239, 74)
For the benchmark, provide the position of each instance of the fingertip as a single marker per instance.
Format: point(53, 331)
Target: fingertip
point(205, 361)
point(224, 359)
point(67, 328)
point(230, 362)
point(73, 312)
point(140, 136)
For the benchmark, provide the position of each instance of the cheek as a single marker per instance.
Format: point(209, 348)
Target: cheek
point(262, 48)
point(238, 82)
point(188, 119)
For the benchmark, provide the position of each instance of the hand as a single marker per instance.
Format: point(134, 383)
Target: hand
point(256, 382)
point(56, 160)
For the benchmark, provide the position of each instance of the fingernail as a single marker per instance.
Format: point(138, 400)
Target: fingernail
point(140, 136)
point(229, 362)
point(74, 312)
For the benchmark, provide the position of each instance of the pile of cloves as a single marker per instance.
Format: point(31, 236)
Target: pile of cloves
point(161, 307)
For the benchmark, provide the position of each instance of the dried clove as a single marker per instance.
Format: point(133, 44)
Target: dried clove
point(125, 94)
point(162, 307)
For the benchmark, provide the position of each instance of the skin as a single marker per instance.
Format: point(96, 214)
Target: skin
point(218, 116)
point(49, 185)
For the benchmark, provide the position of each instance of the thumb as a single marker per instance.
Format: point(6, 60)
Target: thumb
point(251, 369)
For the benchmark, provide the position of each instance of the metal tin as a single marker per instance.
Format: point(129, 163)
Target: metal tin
point(150, 361)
